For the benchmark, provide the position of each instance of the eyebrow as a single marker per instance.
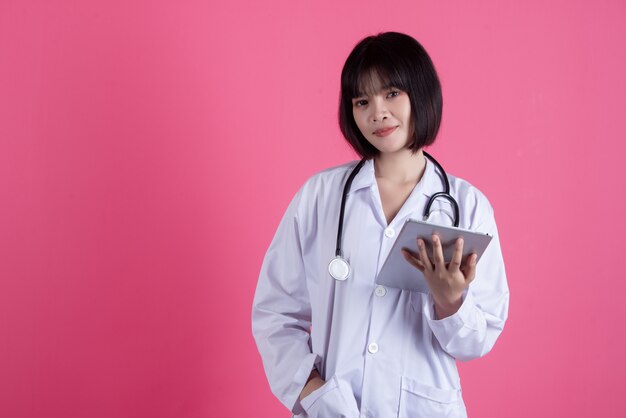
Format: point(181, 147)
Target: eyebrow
point(385, 87)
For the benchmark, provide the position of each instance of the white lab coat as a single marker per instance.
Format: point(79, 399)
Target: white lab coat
point(382, 351)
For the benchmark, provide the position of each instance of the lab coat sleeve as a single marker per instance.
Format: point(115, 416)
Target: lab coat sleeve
point(473, 330)
point(281, 313)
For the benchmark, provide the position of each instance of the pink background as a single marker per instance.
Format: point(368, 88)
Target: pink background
point(149, 148)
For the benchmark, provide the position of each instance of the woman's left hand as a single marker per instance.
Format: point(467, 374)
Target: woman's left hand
point(445, 281)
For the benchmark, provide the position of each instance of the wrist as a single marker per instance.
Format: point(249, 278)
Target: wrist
point(446, 308)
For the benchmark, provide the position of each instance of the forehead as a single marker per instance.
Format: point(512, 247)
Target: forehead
point(371, 82)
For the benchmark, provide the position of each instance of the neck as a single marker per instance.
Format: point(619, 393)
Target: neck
point(400, 167)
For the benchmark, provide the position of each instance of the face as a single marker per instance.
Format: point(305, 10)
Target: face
point(383, 115)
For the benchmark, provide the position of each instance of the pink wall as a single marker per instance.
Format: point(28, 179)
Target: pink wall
point(148, 150)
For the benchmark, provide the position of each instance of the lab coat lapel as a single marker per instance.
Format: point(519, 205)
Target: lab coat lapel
point(364, 178)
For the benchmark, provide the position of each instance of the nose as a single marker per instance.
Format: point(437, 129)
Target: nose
point(379, 110)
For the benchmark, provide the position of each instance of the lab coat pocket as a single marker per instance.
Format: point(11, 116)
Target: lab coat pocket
point(333, 399)
point(418, 400)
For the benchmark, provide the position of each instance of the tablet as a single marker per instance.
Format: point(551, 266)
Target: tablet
point(397, 272)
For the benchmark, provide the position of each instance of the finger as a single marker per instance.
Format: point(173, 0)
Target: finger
point(469, 268)
point(413, 259)
point(437, 253)
point(421, 247)
point(457, 256)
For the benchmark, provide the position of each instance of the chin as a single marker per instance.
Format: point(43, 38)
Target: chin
point(389, 146)
point(391, 149)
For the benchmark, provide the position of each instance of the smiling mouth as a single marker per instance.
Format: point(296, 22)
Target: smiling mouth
point(384, 131)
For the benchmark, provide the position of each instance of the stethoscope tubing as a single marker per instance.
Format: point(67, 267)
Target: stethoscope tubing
point(445, 194)
point(344, 196)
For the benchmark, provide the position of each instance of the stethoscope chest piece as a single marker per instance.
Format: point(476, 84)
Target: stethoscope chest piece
point(339, 268)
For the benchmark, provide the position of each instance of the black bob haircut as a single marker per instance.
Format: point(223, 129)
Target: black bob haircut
point(401, 62)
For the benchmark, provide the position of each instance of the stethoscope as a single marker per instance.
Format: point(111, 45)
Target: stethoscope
point(338, 266)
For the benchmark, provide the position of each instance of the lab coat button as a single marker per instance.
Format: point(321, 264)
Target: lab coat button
point(372, 348)
point(380, 291)
point(389, 232)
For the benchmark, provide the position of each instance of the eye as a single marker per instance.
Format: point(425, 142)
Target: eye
point(359, 103)
point(393, 93)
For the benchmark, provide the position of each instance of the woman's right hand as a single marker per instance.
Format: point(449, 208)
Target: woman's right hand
point(315, 382)
point(333, 399)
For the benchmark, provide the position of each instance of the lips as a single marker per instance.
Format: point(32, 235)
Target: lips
point(385, 131)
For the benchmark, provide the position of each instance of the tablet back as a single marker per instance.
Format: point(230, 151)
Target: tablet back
point(397, 272)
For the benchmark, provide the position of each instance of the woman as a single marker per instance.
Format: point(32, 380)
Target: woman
point(350, 348)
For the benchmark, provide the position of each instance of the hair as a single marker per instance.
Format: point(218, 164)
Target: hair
point(399, 61)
